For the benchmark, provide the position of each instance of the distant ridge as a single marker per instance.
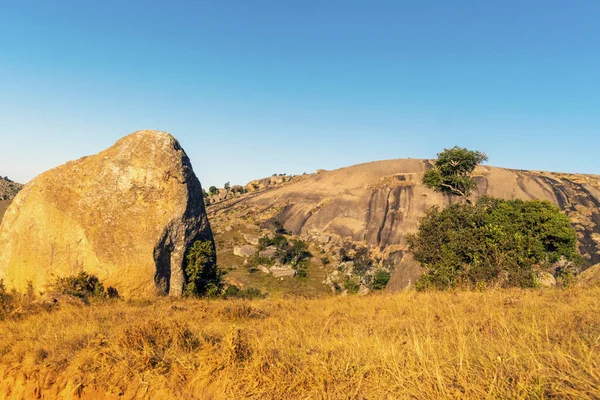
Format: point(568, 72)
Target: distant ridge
point(8, 190)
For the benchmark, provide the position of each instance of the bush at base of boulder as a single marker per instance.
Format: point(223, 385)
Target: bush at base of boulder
point(83, 286)
point(202, 275)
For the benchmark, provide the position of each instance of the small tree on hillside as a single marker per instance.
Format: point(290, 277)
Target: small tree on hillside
point(227, 186)
point(452, 172)
point(213, 190)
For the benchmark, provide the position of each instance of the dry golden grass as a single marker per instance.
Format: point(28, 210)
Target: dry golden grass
point(497, 344)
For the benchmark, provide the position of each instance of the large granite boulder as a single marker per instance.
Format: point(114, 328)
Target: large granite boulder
point(127, 215)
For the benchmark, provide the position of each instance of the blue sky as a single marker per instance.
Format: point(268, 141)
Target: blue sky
point(256, 87)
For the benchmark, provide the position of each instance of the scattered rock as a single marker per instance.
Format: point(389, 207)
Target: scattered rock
point(259, 184)
point(347, 267)
point(264, 269)
point(546, 279)
point(405, 273)
point(269, 252)
point(332, 280)
point(322, 239)
point(590, 277)
point(252, 239)
point(280, 271)
point(244, 251)
point(364, 290)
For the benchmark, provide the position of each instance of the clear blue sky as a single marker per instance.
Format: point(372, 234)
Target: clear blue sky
point(253, 87)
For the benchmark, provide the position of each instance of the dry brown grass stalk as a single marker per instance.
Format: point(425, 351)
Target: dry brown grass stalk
point(496, 344)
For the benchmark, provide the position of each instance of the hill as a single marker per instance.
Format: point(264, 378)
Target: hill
point(376, 204)
point(8, 190)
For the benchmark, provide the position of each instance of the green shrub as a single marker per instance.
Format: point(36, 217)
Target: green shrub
point(498, 242)
point(352, 285)
point(279, 229)
point(293, 253)
point(380, 279)
point(362, 261)
point(301, 271)
point(256, 260)
point(233, 292)
point(83, 286)
point(203, 277)
point(278, 240)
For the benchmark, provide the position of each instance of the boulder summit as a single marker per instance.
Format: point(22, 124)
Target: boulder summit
point(127, 215)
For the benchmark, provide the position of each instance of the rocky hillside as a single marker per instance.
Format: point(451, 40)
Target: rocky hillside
point(217, 195)
point(376, 204)
point(8, 190)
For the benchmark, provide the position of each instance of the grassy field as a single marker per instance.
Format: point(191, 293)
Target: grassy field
point(496, 344)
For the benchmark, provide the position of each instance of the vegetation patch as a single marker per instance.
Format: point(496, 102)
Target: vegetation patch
point(243, 310)
point(234, 292)
point(361, 269)
point(202, 274)
point(292, 252)
point(452, 172)
point(154, 344)
point(15, 304)
point(493, 243)
point(83, 286)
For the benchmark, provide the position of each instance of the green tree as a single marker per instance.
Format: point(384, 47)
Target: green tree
point(293, 253)
point(227, 186)
point(452, 172)
point(213, 190)
point(497, 242)
point(380, 279)
point(203, 277)
point(362, 261)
